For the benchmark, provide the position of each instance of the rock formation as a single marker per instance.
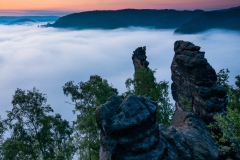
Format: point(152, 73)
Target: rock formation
point(129, 130)
point(139, 58)
point(194, 86)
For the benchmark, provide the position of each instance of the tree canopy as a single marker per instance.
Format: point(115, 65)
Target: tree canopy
point(87, 96)
point(34, 132)
point(228, 123)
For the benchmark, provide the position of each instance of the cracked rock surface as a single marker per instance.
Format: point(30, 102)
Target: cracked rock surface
point(129, 131)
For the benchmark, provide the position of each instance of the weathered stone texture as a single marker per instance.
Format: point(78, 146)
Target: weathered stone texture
point(194, 86)
point(139, 58)
point(129, 130)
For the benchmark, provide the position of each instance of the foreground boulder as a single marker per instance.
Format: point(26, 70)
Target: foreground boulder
point(129, 131)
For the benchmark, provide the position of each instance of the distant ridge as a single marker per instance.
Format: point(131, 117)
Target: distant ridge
point(185, 22)
point(161, 19)
point(5, 20)
point(220, 19)
point(22, 21)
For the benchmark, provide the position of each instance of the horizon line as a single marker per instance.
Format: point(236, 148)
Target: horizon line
point(54, 12)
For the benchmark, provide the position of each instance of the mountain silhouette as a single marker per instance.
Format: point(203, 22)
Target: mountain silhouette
point(221, 19)
point(161, 19)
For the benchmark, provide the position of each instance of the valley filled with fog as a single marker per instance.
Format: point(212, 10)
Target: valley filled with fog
point(47, 58)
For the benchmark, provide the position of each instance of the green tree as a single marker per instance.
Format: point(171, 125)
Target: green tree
point(144, 83)
point(87, 96)
point(228, 123)
point(35, 134)
point(2, 131)
point(222, 78)
point(234, 100)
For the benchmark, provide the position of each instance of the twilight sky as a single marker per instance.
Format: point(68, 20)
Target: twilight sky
point(79, 5)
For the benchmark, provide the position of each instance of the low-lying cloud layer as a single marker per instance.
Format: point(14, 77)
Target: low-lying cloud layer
point(47, 58)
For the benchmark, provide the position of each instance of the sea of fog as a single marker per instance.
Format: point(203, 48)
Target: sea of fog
point(47, 58)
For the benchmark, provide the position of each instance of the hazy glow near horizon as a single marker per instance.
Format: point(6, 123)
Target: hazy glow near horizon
point(75, 5)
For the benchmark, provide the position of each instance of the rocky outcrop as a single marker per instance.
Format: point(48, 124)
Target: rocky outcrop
point(139, 58)
point(129, 131)
point(194, 86)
